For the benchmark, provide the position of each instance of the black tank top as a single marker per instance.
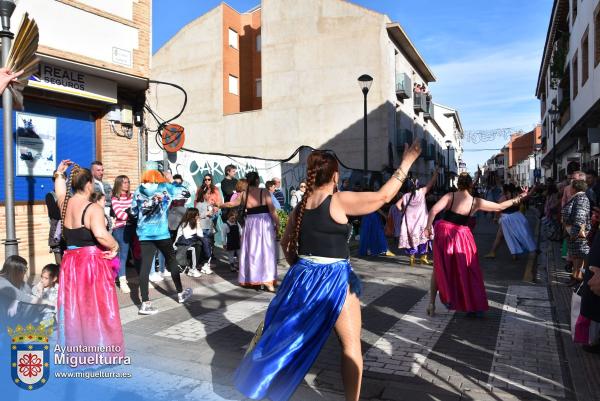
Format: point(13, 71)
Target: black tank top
point(80, 237)
point(258, 209)
point(321, 236)
point(457, 218)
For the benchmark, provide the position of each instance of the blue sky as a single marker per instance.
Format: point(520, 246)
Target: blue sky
point(485, 53)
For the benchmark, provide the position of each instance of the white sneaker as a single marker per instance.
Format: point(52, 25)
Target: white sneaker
point(206, 269)
point(194, 273)
point(147, 309)
point(184, 295)
point(166, 274)
point(156, 277)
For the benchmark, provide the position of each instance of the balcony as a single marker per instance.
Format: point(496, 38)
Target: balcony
point(403, 86)
point(428, 112)
point(403, 136)
point(420, 102)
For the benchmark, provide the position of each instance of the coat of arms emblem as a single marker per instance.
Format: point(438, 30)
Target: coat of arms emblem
point(30, 356)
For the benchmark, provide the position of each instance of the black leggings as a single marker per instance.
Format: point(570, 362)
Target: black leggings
point(165, 246)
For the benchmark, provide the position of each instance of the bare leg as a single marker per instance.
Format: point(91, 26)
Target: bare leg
point(496, 244)
point(577, 265)
point(432, 294)
point(348, 328)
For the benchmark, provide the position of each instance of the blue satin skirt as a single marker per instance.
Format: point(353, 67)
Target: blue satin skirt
point(297, 323)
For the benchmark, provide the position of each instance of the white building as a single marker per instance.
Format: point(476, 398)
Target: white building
point(569, 82)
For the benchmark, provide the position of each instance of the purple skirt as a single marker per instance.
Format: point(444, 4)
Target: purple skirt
point(258, 254)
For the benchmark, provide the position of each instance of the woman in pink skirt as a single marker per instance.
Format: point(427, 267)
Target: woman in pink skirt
point(88, 311)
point(456, 271)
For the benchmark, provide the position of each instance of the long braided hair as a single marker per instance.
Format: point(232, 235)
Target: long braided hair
point(77, 181)
point(321, 166)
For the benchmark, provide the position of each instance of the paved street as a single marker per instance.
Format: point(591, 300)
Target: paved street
point(514, 353)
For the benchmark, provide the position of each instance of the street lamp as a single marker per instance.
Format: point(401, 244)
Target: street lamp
point(448, 144)
point(11, 245)
point(365, 81)
point(554, 116)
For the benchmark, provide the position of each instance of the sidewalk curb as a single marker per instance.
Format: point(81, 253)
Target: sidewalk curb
point(573, 371)
point(530, 274)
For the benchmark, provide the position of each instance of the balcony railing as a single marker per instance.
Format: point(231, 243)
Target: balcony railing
point(403, 86)
point(420, 102)
point(428, 112)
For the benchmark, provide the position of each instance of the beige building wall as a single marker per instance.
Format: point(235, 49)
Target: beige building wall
point(312, 54)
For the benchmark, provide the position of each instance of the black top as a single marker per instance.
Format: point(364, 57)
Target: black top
point(510, 210)
point(457, 218)
point(228, 187)
point(233, 237)
point(258, 209)
point(52, 206)
point(320, 235)
point(81, 236)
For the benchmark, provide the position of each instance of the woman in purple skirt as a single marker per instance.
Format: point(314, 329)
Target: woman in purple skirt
point(258, 254)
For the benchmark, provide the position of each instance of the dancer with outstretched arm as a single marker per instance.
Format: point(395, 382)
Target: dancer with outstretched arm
point(320, 291)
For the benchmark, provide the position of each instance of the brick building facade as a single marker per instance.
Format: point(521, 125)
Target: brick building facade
point(105, 47)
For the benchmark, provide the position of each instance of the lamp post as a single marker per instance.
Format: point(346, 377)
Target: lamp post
point(365, 81)
point(554, 116)
point(11, 245)
point(448, 143)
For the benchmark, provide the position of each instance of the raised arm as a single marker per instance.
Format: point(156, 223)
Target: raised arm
point(487, 206)
point(361, 203)
point(60, 182)
point(432, 181)
point(435, 210)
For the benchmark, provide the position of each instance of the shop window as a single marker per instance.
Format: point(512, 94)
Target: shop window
point(259, 87)
point(234, 83)
point(258, 43)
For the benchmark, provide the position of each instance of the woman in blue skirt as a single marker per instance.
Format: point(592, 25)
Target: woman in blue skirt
point(320, 291)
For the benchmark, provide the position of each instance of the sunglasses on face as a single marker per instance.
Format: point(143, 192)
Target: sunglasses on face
point(207, 179)
point(302, 186)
